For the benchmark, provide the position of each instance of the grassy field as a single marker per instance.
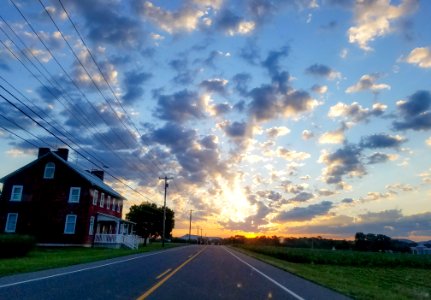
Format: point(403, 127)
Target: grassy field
point(47, 258)
point(378, 279)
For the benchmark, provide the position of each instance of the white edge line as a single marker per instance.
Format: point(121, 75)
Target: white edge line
point(266, 276)
point(83, 269)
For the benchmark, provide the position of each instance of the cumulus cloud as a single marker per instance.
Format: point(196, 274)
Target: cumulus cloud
point(355, 112)
point(377, 158)
point(420, 56)
point(307, 134)
point(305, 213)
point(187, 18)
point(345, 161)
point(323, 71)
point(292, 155)
point(268, 102)
point(333, 137)
point(215, 85)
point(105, 24)
point(319, 89)
point(277, 131)
point(376, 18)
point(133, 82)
point(232, 24)
point(180, 107)
point(302, 197)
point(382, 141)
point(415, 112)
point(368, 82)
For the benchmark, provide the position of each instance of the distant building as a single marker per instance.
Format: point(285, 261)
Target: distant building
point(420, 249)
point(60, 204)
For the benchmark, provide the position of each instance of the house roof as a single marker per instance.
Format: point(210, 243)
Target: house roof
point(92, 179)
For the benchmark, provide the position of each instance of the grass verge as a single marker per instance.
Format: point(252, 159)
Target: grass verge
point(360, 282)
point(48, 258)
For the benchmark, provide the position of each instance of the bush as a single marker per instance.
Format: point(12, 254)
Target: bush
point(14, 245)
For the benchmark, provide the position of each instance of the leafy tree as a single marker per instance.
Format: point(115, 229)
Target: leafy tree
point(149, 220)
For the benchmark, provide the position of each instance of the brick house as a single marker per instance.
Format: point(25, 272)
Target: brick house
point(60, 204)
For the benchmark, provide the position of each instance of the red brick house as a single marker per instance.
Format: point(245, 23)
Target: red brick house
point(60, 204)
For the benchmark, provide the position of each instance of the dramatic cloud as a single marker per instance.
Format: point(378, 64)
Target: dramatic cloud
point(389, 222)
point(305, 213)
point(375, 19)
point(368, 82)
point(323, 71)
point(415, 112)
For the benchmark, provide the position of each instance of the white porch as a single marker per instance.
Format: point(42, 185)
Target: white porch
point(115, 232)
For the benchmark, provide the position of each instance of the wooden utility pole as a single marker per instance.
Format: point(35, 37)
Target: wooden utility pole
point(164, 208)
point(190, 226)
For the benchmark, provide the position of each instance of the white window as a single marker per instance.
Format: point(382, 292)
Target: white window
point(113, 204)
point(74, 194)
point(16, 193)
point(11, 221)
point(91, 227)
point(49, 170)
point(108, 202)
point(102, 200)
point(69, 225)
point(95, 197)
point(119, 206)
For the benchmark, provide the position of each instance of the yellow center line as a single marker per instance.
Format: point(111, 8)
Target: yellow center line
point(158, 284)
point(164, 273)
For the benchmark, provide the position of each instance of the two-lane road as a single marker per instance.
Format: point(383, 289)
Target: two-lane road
point(190, 272)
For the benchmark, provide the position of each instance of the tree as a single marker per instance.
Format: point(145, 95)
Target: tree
point(149, 220)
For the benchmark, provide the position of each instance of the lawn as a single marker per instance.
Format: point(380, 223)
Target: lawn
point(359, 282)
point(47, 258)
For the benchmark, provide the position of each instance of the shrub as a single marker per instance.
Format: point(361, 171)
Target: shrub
point(14, 245)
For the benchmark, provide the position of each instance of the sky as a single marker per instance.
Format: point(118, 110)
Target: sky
point(272, 117)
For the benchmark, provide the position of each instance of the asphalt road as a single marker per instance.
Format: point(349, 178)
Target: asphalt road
point(190, 272)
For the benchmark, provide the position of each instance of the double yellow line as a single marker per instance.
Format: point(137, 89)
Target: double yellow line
point(158, 284)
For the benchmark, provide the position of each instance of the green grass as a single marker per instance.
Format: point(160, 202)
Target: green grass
point(343, 258)
point(47, 258)
point(360, 282)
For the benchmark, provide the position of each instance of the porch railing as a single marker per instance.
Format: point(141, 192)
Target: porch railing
point(128, 240)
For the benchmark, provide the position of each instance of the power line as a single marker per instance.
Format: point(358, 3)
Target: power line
point(68, 76)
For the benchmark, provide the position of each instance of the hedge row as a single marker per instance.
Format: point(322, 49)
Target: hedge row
point(15, 245)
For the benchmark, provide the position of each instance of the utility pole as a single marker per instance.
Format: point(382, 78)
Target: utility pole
point(190, 226)
point(164, 208)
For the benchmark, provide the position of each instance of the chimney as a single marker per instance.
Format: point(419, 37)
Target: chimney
point(42, 152)
point(63, 153)
point(98, 173)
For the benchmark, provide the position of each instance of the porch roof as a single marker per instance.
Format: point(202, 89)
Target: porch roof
point(106, 217)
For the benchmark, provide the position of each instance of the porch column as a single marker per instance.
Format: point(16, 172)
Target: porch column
point(117, 229)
